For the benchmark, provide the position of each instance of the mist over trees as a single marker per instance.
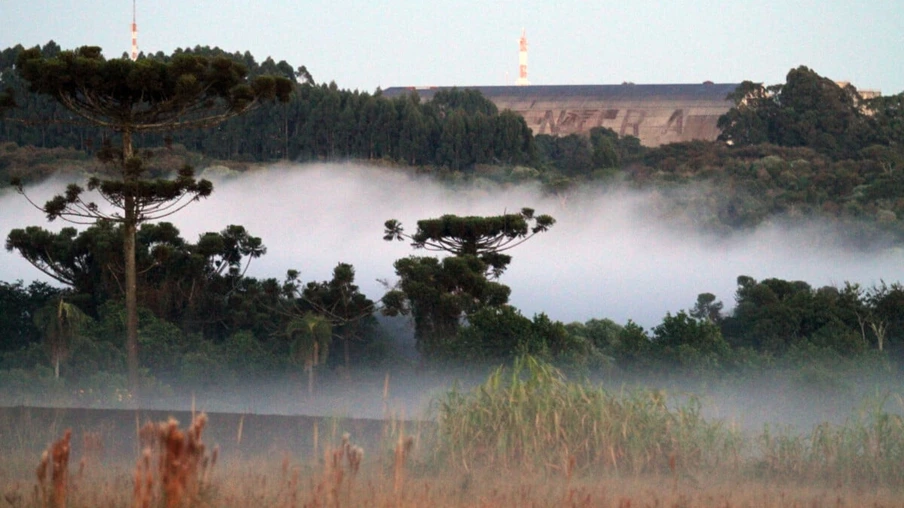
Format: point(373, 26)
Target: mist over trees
point(130, 97)
point(804, 149)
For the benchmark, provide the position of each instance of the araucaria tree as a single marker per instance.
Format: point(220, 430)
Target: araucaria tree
point(438, 293)
point(132, 97)
point(485, 238)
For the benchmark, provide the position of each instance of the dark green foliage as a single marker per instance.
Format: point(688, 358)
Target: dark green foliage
point(888, 112)
point(199, 286)
point(570, 155)
point(602, 333)
point(7, 100)
point(694, 344)
point(748, 123)
point(604, 142)
point(246, 357)
point(83, 261)
point(129, 97)
point(466, 100)
point(633, 345)
point(341, 303)
point(170, 353)
point(494, 334)
point(457, 129)
point(500, 334)
point(438, 293)
point(743, 187)
point(804, 149)
point(707, 308)
point(773, 315)
point(148, 94)
point(18, 305)
point(883, 312)
point(808, 110)
point(577, 156)
point(453, 150)
point(482, 237)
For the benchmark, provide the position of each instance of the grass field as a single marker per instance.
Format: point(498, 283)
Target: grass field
point(526, 437)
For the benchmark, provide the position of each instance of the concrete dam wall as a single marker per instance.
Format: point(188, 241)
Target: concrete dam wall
point(657, 114)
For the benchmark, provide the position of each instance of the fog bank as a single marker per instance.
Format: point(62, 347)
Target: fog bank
point(610, 254)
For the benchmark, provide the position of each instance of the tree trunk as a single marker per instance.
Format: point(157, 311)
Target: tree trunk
point(879, 329)
point(130, 229)
point(862, 322)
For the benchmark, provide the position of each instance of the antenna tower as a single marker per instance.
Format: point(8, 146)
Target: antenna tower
point(522, 60)
point(134, 34)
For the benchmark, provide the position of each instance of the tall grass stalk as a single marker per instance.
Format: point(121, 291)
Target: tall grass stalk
point(867, 449)
point(529, 415)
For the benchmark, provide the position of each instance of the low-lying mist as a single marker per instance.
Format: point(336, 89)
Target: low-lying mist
point(612, 253)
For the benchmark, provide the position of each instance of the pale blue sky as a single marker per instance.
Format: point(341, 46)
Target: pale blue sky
point(364, 45)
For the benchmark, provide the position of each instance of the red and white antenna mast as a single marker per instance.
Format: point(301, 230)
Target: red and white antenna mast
point(134, 34)
point(522, 60)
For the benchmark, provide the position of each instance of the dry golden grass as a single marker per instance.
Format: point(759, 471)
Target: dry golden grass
point(54, 461)
point(176, 475)
point(183, 467)
point(527, 438)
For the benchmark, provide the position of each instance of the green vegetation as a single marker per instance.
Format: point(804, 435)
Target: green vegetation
point(808, 110)
point(804, 149)
point(530, 417)
point(439, 293)
point(129, 97)
point(457, 129)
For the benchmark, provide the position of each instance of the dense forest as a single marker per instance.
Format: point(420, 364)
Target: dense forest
point(804, 149)
point(319, 122)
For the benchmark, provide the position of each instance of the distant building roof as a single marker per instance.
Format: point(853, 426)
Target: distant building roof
point(657, 114)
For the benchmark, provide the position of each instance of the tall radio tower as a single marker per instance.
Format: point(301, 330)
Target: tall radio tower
point(522, 60)
point(134, 34)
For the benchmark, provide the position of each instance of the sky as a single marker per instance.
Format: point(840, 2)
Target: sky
point(365, 45)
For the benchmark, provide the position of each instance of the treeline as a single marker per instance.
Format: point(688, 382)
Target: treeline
point(813, 111)
point(203, 320)
point(801, 150)
point(456, 129)
point(195, 301)
point(460, 128)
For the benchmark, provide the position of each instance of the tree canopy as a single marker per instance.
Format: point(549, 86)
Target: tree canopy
point(807, 110)
point(146, 95)
point(437, 293)
point(482, 237)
